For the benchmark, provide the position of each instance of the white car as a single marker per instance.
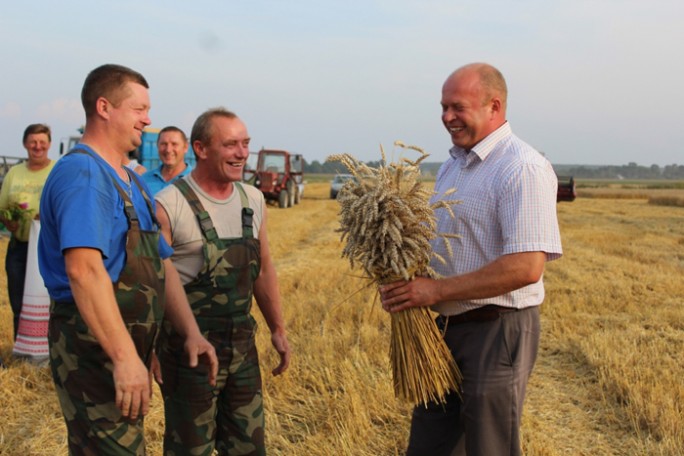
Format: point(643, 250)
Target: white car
point(338, 182)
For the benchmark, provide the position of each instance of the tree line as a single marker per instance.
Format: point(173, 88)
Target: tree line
point(329, 167)
point(628, 171)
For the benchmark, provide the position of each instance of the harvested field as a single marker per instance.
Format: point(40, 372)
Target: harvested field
point(608, 380)
point(664, 190)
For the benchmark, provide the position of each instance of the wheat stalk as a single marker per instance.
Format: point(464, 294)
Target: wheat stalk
point(387, 223)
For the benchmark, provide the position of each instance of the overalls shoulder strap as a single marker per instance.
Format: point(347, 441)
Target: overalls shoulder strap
point(203, 218)
point(205, 223)
point(247, 213)
point(148, 200)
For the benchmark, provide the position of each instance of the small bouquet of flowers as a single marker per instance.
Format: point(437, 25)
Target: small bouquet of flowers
point(16, 212)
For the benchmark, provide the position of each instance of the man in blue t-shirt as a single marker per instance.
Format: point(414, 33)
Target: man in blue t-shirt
point(172, 145)
point(109, 274)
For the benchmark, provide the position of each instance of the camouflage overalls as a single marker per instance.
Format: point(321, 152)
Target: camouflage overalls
point(82, 372)
point(230, 415)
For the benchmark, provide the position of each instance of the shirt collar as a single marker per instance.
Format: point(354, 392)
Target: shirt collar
point(158, 171)
point(483, 148)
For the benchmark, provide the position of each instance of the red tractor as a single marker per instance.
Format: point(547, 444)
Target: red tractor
point(278, 174)
point(566, 189)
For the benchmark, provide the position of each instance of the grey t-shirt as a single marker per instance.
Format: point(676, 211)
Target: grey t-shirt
point(225, 214)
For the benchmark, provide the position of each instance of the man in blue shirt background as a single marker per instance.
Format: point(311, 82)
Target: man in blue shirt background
point(172, 145)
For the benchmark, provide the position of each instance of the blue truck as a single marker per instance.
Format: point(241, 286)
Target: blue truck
point(147, 154)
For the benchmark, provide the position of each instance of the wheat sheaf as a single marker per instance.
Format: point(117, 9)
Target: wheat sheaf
point(387, 223)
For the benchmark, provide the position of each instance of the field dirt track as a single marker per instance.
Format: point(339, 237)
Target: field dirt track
point(608, 380)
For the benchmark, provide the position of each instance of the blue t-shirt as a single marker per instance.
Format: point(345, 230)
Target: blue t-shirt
point(154, 180)
point(80, 207)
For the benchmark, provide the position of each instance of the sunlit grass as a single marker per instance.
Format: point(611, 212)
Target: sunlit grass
point(608, 380)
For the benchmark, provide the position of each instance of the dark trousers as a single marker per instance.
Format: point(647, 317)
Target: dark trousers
point(15, 267)
point(496, 358)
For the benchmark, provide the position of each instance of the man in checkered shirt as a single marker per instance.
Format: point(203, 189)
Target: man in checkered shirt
point(491, 288)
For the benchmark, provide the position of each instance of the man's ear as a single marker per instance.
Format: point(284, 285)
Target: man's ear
point(102, 107)
point(495, 106)
point(198, 147)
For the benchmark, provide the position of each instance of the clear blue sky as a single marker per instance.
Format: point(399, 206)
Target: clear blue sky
point(590, 82)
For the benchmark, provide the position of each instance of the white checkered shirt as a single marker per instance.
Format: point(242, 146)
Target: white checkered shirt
point(508, 191)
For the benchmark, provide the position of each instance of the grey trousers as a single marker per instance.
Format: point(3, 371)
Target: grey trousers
point(496, 359)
